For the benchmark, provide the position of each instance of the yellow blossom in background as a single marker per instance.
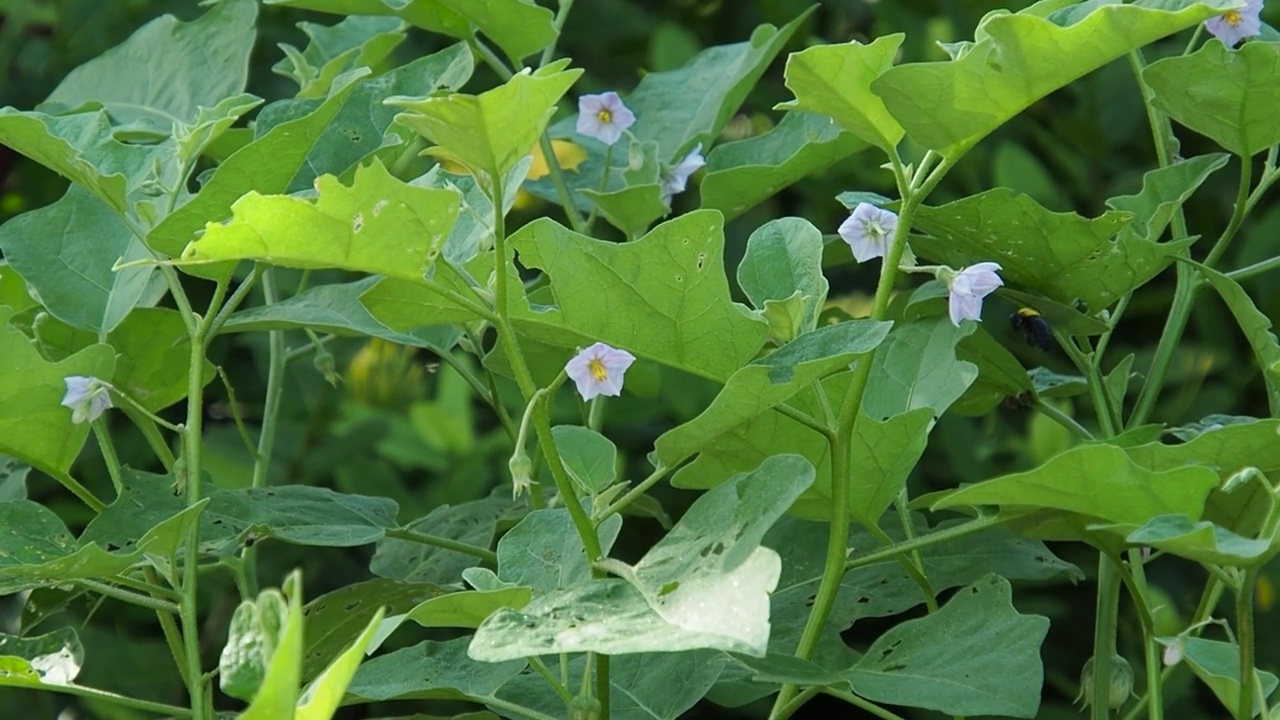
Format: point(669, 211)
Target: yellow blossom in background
point(1265, 594)
point(384, 375)
point(855, 304)
point(570, 155)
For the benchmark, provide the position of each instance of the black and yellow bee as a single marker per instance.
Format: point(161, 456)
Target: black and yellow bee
point(1033, 327)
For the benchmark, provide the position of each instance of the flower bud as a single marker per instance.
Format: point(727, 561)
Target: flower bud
point(1121, 684)
point(584, 708)
point(521, 473)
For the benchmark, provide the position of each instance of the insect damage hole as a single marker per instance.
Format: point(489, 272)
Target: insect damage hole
point(702, 258)
point(357, 223)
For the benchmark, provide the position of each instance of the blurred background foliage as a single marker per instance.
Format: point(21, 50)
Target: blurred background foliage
point(372, 418)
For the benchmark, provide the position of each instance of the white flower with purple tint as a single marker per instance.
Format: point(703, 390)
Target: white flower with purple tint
point(604, 117)
point(678, 179)
point(968, 287)
point(1233, 26)
point(598, 370)
point(868, 230)
point(87, 397)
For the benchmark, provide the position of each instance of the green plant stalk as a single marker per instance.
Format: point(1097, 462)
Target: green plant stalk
point(911, 563)
point(1245, 637)
point(488, 394)
point(1104, 635)
point(633, 494)
point(151, 433)
point(865, 705)
point(1151, 654)
point(562, 14)
point(80, 491)
point(129, 596)
point(237, 297)
point(517, 710)
point(604, 183)
point(1255, 269)
point(241, 430)
point(112, 698)
point(1208, 601)
point(276, 359)
point(798, 702)
point(109, 457)
point(1063, 419)
point(476, 551)
point(889, 552)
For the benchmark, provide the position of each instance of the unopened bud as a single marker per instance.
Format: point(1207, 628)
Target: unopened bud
point(521, 473)
point(1121, 684)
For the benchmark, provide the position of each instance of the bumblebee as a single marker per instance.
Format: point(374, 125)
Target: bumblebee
point(1033, 327)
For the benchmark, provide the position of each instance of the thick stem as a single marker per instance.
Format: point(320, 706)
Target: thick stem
point(276, 360)
point(1063, 419)
point(192, 469)
point(108, 450)
point(1104, 636)
point(1245, 637)
point(1151, 653)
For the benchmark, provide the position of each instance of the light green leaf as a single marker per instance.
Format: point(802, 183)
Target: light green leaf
point(1257, 329)
point(742, 174)
point(882, 456)
point(256, 628)
point(356, 41)
point(432, 15)
point(191, 65)
point(835, 80)
point(430, 670)
point(631, 209)
point(54, 658)
point(193, 138)
point(473, 523)
point(519, 27)
point(278, 695)
point(467, 609)
point(1201, 541)
point(13, 479)
point(590, 458)
point(669, 286)
point(1061, 255)
point(14, 291)
point(1228, 95)
point(323, 696)
point(336, 619)
point(1096, 481)
point(492, 131)
point(1217, 664)
point(34, 426)
point(975, 656)
point(1018, 59)
point(784, 257)
point(916, 367)
point(1164, 190)
point(544, 552)
point(267, 165)
point(79, 287)
point(336, 309)
point(363, 125)
point(377, 225)
point(771, 380)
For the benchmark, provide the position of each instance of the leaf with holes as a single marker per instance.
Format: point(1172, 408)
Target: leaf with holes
point(336, 619)
point(474, 523)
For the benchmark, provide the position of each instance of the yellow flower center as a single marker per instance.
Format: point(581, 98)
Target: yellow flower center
point(1233, 17)
point(606, 117)
point(598, 370)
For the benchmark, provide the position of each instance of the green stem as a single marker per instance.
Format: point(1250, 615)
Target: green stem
point(1104, 635)
point(517, 710)
point(137, 407)
point(276, 360)
point(1245, 637)
point(914, 564)
point(562, 188)
point(1257, 268)
point(540, 668)
point(235, 414)
point(172, 634)
point(108, 450)
point(151, 433)
point(890, 552)
point(1151, 652)
point(604, 184)
point(858, 702)
point(562, 14)
point(595, 413)
point(114, 699)
point(1208, 601)
point(1237, 215)
point(796, 703)
point(804, 418)
point(489, 394)
point(443, 543)
point(80, 491)
point(633, 494)
point(129, 596)
point(237, 297)
point(1063, 419)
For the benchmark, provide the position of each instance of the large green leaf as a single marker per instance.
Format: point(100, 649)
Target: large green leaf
point(1164, 190)
point(334, 620)
point(474, 523)
point(1061, 255)
point(664, 296)
point(783, 259)
point(190, 65)
point(1201, 541)
point(1217, 664)
point(882, 455)
point(591, 459)
point(430, 15)
point(267, 165)
point(742, 174)
point(335, 309)
point(773, 379)
point(55, 658)
point(377, 225)
point(916, 367)
point(835, 80)
point(1228, 95)
point(66, 251)
point(976, 656)
point(356, 41)
point(1018, 59)
point(34, 426)
point(544, 552)
point(323, 696)
point(1095, 481)
point(1257, 329)
point(431, 670)
point(363, 125)
point(492, 131)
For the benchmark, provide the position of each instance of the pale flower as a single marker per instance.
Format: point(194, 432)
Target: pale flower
point(678, 179)
point(598, 370)
point(604, 117)
point(1233, 26)
point(868, 230)
point(87, 397)
point(521, 468)
point(968, 287)
point(1172, 653)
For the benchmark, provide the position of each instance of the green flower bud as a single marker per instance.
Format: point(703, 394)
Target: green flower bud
point(584, 708)
point(521, 473)
point(1121, 686)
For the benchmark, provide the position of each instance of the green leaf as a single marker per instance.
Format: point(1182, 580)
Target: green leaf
point(706, 584)
point(835, 80)
point(14, 291)
point(356, 41)
point(336, 619)
point(1061, 255)
point(432, 15)
point(193, 138)
point(323, 696)
point(53, 658)
point(742, 174)
point(190, 65)
point(769, 381)
point(882, 456)
point(670, 286)
point(1096, 481)
point(631, 209)
point(267, 165)
point(36, 550)
point(363, 125)
point(466, 609)
point(80, 287)
point(1228, 95)
point(976, 656)
point(519, 27)
point(590, 458)
point(13, 479)
point(336, 309)
point(916, 367)
point(544, 552)
point(1018, 59)
point(1217, 664)
point(377, 225)
point(1201, 541)
point(999, 372)
point(1164, 190)
point(492, 131)
point(278, 695)
point(473, 523)
point(784, 257)
point(34, 426)
point(431, 670)
point(1256, 327)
